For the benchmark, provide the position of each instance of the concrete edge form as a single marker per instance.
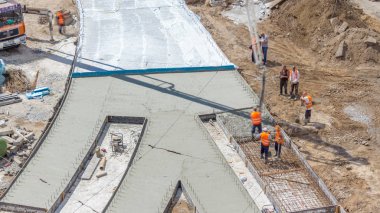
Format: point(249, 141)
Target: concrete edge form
point(8, 207)
point(129, 165)
point(293, 147)
point(256, 198)
point(58, 106)
point(191, 192)
point(82, 166)
point(289, 143)
point(186, 194)
point(230, 172)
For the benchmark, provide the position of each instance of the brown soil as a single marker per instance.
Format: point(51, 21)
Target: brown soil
point(311, 28)
point(16, 80)
point(182, 207)
point(343, 152)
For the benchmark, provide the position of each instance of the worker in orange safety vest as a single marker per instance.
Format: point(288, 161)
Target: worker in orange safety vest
point(279, 140)
point(256, 121)
point(307, 100)
point(61, 21)
point(265, 143)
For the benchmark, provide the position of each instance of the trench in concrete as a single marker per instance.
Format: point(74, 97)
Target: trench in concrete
point(237, 164)
point(88, 191)
point(180, 201)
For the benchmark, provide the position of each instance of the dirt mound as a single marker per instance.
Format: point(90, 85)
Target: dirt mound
point(16, 81)
point(323, 30)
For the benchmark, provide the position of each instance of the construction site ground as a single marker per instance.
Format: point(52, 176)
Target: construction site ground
point(341, 143)
point(51, 60)
point(39, 63)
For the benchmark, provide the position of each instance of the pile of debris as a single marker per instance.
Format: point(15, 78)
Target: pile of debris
point(6, 99)
point(20, 143)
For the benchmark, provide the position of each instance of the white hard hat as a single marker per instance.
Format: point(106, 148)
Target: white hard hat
point(265, 129)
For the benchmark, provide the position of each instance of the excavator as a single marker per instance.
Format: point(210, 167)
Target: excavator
point(12, 25)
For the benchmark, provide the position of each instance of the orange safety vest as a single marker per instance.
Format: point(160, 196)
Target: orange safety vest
point(61, 21)
point(279, 139)
point(256, 118)
point(265, 138)
point(310, 104)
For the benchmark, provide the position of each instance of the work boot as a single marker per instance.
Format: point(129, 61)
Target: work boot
point(261, 157)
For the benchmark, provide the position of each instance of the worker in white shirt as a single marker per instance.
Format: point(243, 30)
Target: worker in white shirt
point(294, 78)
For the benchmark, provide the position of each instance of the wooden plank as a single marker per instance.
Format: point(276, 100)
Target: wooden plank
point(90, 169)
point(3, 103)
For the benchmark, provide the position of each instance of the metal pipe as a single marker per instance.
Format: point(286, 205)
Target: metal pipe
point(101, 174)
point(102, 164)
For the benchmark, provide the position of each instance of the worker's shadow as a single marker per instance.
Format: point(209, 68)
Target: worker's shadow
point(298, 131)
point(317, 125)
point(42, 40)
point(339, 151)
point(273, 64)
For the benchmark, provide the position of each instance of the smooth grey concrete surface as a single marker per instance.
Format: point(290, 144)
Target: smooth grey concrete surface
point(171, 37)
point(140, 34)
point(170, 102)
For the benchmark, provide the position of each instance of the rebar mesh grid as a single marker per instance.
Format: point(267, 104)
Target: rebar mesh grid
point(286, 179)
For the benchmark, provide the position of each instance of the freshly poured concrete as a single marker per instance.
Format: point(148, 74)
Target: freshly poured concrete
point(170, 102)
point(139, 34)
point(238, 165)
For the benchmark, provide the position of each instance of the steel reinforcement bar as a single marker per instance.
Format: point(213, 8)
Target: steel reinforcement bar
point(288, 143)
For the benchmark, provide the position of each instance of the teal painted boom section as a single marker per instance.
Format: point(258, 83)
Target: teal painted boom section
point(152, 71)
